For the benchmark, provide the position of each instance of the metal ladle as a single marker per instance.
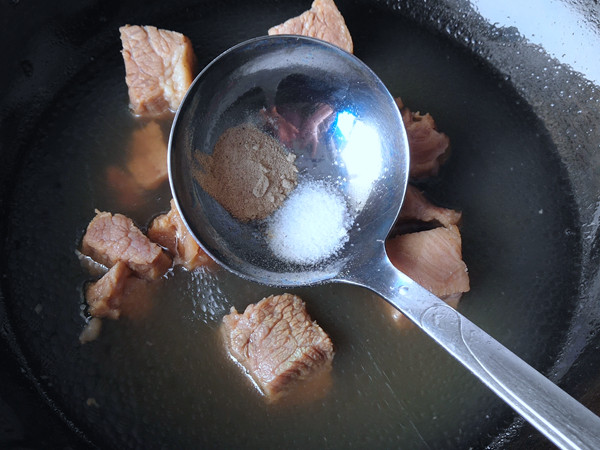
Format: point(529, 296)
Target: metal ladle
point(364, 153)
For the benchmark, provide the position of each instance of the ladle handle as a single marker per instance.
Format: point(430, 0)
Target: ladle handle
point(552, 411)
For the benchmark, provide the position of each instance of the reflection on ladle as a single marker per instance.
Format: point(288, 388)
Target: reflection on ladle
point(378, 170)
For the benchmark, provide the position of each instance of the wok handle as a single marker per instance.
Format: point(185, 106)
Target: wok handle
point(556, 414)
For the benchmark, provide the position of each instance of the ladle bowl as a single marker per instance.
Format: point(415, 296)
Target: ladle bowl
point(370, 168)
point(362, 152)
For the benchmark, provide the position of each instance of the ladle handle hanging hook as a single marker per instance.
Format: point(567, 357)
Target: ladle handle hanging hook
point(563, 420)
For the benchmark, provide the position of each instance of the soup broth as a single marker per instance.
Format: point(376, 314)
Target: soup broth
point(166, 380)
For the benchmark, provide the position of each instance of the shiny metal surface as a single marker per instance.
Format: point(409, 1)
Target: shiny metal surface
point(371, 173)
point(222, 97)
point(543, 404)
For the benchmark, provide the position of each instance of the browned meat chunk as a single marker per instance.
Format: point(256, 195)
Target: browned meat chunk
point(118, 292)
point(432, 258)
point(159, 67)
point(169, 231)
point(428, 147)
point(278, 343)
point(322, 21)
point(110, 239)
point(416, 208)
point(148, 156)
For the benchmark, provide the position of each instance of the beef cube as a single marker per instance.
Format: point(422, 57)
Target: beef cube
point(110, 239)
point(428, 147)
point(278, 343)
point(148, 156)
point(160, 66)
point(433, 258)
point(169, 231)
point(322, 21)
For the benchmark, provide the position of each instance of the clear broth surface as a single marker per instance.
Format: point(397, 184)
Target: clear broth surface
point(166, 381)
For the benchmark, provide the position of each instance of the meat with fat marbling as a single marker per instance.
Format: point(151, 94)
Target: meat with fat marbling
point(278, 343)
point(322, 21)
point(113, 238)
point(160, 66)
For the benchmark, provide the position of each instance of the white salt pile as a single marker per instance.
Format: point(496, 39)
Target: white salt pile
point(311, 225)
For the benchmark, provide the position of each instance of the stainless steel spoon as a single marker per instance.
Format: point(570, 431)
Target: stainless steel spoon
point(363, 152)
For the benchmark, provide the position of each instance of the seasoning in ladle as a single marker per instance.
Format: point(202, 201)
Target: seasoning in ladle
point(311, 225)
point(249, 173)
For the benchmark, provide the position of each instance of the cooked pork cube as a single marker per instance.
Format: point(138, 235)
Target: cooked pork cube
point(322, 21)
point(148, 156)
point(433, 258)
point(416, 208)
point(110, 239)
point(428, 147)
point(160, 66)
point(169, 231)
point(278, 343)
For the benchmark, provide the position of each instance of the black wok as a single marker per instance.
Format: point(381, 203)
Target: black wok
point(525, 171)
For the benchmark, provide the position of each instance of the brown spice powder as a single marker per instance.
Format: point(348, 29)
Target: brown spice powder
point(249, 173)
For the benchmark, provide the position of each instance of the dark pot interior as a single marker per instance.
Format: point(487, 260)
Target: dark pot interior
point(525, 171)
